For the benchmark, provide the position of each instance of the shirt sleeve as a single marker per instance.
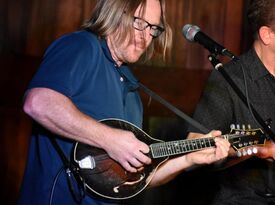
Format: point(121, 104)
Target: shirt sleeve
point(64, 64)
point(215, 105)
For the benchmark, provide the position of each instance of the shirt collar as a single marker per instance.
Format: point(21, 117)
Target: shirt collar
point(256, 69)
point(106, 50)
point(123, 69)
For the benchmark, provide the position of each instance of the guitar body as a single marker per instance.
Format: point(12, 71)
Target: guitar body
point(107, 178)
point(104, 177)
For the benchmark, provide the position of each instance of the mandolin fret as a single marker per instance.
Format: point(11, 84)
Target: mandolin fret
point(163, 149)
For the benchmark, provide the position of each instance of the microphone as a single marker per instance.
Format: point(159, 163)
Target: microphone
point(193, 34)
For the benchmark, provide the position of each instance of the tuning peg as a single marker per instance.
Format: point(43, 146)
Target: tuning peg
point(243, 127)
point(254, 150)
point(244, 153)
point(239, 154)
point(249, 126)
point(238, 126)
point(232, 126)
point(249, 152)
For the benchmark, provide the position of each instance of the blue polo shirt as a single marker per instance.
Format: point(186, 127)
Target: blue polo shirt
point(78, 65)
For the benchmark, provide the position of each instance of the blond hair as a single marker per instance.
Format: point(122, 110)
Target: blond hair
point(111, 16)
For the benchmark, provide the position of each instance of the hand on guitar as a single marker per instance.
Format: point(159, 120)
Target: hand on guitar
point(208, 156)
point(174, 166)
point(107, 174)
point(126, 149)
point(266, 151)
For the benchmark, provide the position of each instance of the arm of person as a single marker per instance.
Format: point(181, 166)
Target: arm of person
point(267, 151)
point(175, 166)
point(231, 160)
point(58, 114)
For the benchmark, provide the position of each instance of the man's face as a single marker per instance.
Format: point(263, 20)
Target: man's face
point(132, 49)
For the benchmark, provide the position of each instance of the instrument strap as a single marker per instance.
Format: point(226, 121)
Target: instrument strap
point(134, 84)
point(75, 182)
point(175, 110)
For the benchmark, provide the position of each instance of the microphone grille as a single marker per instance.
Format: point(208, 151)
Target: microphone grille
point(189, 31)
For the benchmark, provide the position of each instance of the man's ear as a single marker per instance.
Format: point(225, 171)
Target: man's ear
point(264, 34)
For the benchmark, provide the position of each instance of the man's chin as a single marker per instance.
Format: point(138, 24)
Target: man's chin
point(133, 60)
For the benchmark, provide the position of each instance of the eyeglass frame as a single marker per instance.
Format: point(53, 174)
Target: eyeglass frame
point(153, 28)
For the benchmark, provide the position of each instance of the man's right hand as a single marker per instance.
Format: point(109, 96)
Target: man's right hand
point(126, 149)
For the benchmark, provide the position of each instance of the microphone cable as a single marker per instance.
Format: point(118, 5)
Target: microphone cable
point(54, 184)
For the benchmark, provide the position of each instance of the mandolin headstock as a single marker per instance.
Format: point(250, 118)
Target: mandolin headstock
point(245, 140)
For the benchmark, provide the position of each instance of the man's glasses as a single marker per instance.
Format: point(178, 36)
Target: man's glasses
point(140, 24)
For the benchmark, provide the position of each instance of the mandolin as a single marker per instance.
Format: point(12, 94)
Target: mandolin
point(106, 178)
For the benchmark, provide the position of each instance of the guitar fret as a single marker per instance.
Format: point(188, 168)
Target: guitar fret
point(168, 148)
point(194, 145)
point(198, 143)
point(160, 150)
point(202, 143)
point(177, 146)
point(157, 148)
point(170, 145)
point(183, 146)
point(188, 145)
point(153, 150)
point(165, 151)
point(173, 147)
point(211, 144)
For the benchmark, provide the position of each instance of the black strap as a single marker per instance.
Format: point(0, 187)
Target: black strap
point(64, 159)
point(76, 183)
point(133, 84)
point(174, 109)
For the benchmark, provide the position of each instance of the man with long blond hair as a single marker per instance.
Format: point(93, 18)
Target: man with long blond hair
point(82, 81)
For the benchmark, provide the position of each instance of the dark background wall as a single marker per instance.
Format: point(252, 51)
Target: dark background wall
point(28, 27)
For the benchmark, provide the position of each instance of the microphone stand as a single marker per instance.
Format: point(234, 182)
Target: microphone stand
point(219, 66)
point(265, 124)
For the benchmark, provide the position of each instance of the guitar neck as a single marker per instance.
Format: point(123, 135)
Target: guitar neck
point(163, 149)
point(170, 148)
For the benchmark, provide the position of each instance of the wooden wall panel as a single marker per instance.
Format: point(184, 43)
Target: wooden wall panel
point(234, 25)
point(31, 25)
point(219, 19)
point(181, 88)
point(15, 129)
point(50, 19)
point(13, 25)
